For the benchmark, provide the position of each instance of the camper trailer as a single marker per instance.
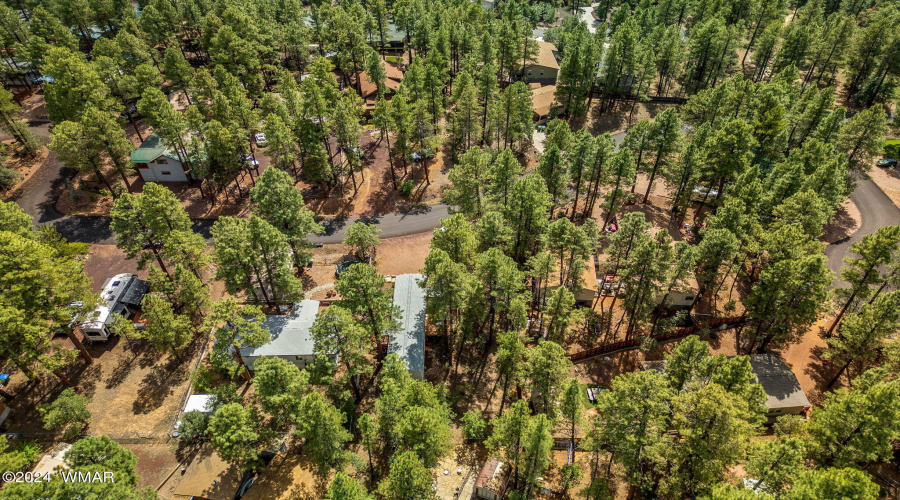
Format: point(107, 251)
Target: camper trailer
point(121, 295)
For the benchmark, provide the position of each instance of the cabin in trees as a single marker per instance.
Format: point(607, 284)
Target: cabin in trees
point(121, 295)
point(492, 480)
point(157, 163)
point(408, 341)
point(784, 396)
point(543, 104)
point(545, 67)
point(393, 77)
point(291, 337)
point(587, 290)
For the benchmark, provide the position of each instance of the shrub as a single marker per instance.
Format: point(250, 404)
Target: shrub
point(474, 424)
point(68, 413)
point(8, 178)
point(193, 426)
point(407, 188)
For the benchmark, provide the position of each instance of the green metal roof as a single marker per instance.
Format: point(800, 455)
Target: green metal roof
point(151, 149)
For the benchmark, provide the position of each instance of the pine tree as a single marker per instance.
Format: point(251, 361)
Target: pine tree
point(862, 272)
point(235, 326)
point(862, 335)
point(279, 202)
point(321, 426)
point(856, 425)
point(337, 335)
point(362, 292)
point(621, 174)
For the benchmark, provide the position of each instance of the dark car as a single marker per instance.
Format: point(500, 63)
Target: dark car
point(886, 162)
point(340, 268)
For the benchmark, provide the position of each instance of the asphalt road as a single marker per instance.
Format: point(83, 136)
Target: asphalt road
point(876, 210)
point(39, 193)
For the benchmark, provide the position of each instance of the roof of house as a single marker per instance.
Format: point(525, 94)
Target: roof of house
point(546, 55)
point(370, 89)
point(781, 385)
point(777, 380)
point(409, 340)
point(199, 402)
point(289, 476)
point(290, 332)
point(152, 148)
point(54, 458)
point(493, 476)
point(542, 99)
point(209, 477)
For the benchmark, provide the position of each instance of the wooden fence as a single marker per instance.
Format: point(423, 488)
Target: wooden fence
point(632, 344)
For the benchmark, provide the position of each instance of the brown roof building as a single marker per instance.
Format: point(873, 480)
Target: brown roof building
point(543, 100)
point(545, 67)
point(492, 480)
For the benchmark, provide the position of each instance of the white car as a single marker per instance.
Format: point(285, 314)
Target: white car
point(260, 139)
point(250, 161)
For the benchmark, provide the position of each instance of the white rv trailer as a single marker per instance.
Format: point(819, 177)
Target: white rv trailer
point(121, 295)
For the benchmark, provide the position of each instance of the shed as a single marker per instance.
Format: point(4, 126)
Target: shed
point(492, 480)
point(784, 396)
point(680, 300)
point(408, 341)
point(291, 338)
point(156, 163)
point(586, 291)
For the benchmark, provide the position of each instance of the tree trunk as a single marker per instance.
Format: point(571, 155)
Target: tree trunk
point(84, 352)
point(64, 379)
point(839, 373)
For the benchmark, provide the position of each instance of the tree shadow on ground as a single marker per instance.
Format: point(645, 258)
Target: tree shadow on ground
point(159, 384)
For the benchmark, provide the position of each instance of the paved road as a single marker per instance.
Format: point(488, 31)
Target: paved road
point(38, 195)
point(876, 210)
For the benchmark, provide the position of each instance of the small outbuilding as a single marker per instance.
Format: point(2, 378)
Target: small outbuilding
point(157, 163)
point(291, 338)
point(408, 341)
point(199, 402)
point(784, 396)
point(492, 480)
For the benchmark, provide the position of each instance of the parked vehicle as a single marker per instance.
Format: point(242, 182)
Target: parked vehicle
point(340, 268)
point(121, 295)
point(260, 139)
point(886, 163)
point(250, 161)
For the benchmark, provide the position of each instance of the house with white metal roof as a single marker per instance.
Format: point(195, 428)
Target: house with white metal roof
point(408, 342)
point(291, 337)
